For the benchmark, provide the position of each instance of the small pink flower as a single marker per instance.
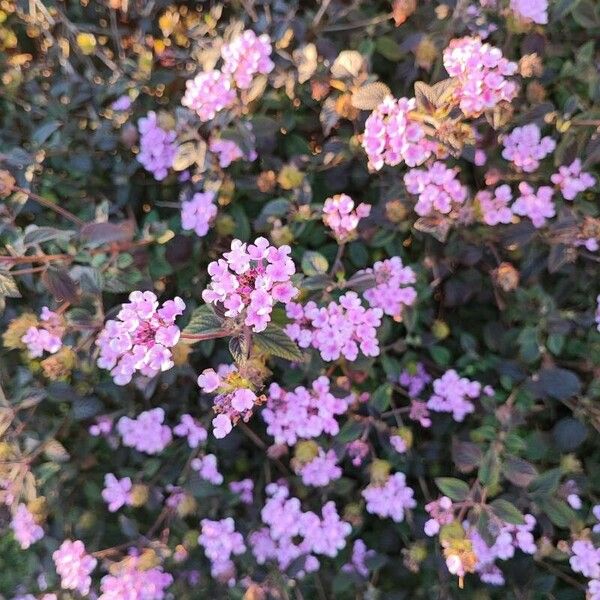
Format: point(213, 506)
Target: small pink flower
point(25, 529)
point(221, 426)
point(245, 56)
point(116, 492)
point(198, 213)
point(74, 566)
point(208, 93)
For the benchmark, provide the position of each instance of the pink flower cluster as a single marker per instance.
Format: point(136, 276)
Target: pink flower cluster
point(537, 206)
point(535, 11)
point(157, 146)
point(221, 541)
point(321, 470)
point(391, 499)
point(190, 428)
point(116, 492)
point(141, 337)
point(392, 291)
point(438, 189)
point(509, 538)
point(250, 279)
point(212, 91)
point(585, 558)
point(342, 218)
point(291, 533)
point(25, 529)
point(146, 433)
point(481, 75)
point(132, 582)
point(207, 469)
point(198, 213)
point(231, 403)
point(245, 489)
point(525, 147)
point(441, 513)
point(74, 566)
point(453, 394)
point(392, 136)
point(360, 555)
point(571, 180)
point(339, 329)
point(303, 413)
point(47, 337)
point(208, 93)
point(245, 56)
point(494, 205)
point(227, 151)
point(414, 380)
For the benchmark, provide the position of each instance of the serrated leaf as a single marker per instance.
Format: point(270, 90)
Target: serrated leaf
point(507, 511)
point(370, 96)
point(104, 233)
point(275, 341)
point(546, 484)
point(350, 431)
point(455, 489)
point(389, 48)
point(347, 64)
point(558, 511)
point(238, 346)
point(59, 283)
point(8, 286)
point(189, 153)
point(39, 235)
point(518, 471)
point(466, 455)
point(437, 226)
point(489, 471)
point(431, 97)
point(203, 321)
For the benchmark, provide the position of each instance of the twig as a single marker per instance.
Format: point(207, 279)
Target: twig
point(51, 205)
point(358, 24)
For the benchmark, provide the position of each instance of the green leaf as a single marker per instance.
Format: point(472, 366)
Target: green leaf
point(546, 484)
point(203, 321)
point(562, 8)
point(238, 346)
point(489, 471)
point(60, 284)
point(381, 398)
point(456, 489)
point(558, 511)
point(507, 511)
point(275, 341)
point(8, 286)
point(389, 48)
point(518, 471)
point(586, 14)
point(560, 384)
point(441, 355)
point(569, 433)
point(351, 431)
point(314, 263)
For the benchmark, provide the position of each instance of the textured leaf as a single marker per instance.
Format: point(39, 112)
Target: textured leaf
point(203, 321)
point(455, 489)
point(59, 283)
point(274, 341)
point(489, 471)
point(238, 347)
point(8, 286)
point(347, 64)
point(103, 233)
point(518, 471)
point(381, 398)
point(507, 511)
point(466, 455)
point(314, 263)
point(370, 96)
point(39, 235)
point(558, 511)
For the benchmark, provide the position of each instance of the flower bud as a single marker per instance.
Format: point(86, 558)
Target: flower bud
point(139, 494)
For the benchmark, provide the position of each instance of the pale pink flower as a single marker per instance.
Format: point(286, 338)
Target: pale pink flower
point(116, 492)
point(208, 93)
point(245, 56)
point(74, 566)
point(25, 529)
point(536, 205)
point(198, 213)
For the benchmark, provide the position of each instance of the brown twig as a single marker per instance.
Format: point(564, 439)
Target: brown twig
point(51, 205)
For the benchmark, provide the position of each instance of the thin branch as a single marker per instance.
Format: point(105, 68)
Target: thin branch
point(51, 205)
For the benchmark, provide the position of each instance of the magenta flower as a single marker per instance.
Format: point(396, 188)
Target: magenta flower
point(391, 499)
point(453, 394)
point(146, 433)
point(221, 541)
point(535, 11)
point(245, 56)
point(525, 147)
point(25, 529)
point(245, 489)
point(198, 213)
point(206, 467)
point(392, 136)
point(480, 73)
point(342, 218)
point(494, 205)
point(249, 280)
point(303, 413)
point(572, 180)
point(190, 428)
point(116, 492)
point(339, 329)
point(208, 93)
point(157, 146)
point(74, 566)
point(47, 337)
point(141, 337)
point(538, 206)
point(437, 187)
point(321, 470)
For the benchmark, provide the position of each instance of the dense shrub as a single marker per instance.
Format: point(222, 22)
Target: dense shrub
point(299, 299)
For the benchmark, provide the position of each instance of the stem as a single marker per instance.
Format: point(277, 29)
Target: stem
point(199, 337)
point(51, 205)
point(38, 258)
